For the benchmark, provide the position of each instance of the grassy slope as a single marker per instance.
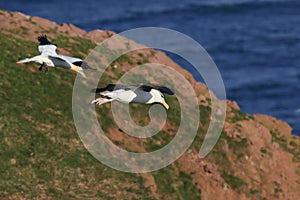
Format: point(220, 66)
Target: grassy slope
point(40, 152)
point(42, 156)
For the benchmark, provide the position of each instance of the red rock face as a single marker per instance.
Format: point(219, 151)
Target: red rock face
point(15, 22)
point(98, 36)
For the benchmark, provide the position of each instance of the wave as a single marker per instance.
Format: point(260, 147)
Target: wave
point(202, 8)
point(236, 5)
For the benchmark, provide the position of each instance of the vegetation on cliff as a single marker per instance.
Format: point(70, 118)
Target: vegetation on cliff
point(42, 157)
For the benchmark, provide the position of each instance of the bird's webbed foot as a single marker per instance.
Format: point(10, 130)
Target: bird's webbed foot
point(41, 67)
point(46, 70)
point(100, 101)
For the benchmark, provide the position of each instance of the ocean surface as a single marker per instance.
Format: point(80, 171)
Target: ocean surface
point(255, 44)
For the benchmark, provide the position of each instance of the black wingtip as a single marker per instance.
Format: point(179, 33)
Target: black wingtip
point(97, 90)
point(163, 89)
point(83, 64)
point(109, 87)
point(166, 90)
point(43, 40)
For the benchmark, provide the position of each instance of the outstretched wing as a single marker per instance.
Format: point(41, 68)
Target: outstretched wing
point(113, 87)
point(163, 89)
point(82, 64)
point(71, 59)
point(46, 47)
point(76, 61)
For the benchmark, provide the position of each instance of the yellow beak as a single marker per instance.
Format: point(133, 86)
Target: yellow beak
point(75, 68)
point(165, 104)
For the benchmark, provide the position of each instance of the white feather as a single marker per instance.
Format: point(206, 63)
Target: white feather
point(121, 95)
point(49, 49)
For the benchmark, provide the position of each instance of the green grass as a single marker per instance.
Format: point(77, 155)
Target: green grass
point(79, 46)
point(239, 146)
point(220, 158)
point(187, 190)
point(254, 193)
point(293, 143)
point(162, 178)
point(38, 134)
point(39, 156)
point(122, 59)
point(158, 141)
point(205, 112)
point(30, 21)
point(176, 186)
point(292, 147)
point(143, 59)
point(234, 181)
point(239, 116)
point(263, 150)
point(24, 30)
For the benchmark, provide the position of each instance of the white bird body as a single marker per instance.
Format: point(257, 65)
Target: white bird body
point(50, 58)
point(144, 93)
point(124, 96)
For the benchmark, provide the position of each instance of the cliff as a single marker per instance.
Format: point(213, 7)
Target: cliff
point(42, 156)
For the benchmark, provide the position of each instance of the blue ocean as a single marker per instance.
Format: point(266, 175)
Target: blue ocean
point(254, 43)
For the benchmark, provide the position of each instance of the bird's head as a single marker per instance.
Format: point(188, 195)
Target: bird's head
point(158, 97)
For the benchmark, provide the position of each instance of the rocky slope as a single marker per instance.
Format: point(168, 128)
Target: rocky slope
point(42, 157)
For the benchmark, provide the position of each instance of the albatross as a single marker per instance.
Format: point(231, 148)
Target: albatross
point(49, 58)
point(143, 93)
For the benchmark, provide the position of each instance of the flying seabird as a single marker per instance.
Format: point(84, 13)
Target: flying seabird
point(50, 58)
point(143, 93)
